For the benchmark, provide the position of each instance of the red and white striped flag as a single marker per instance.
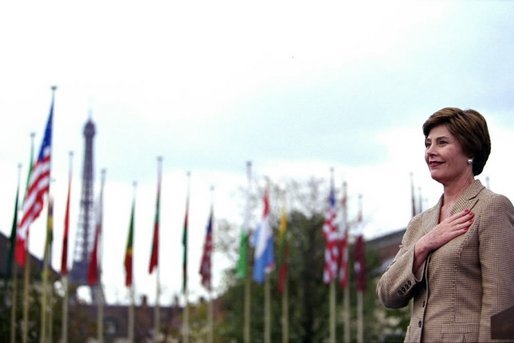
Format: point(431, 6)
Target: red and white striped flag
point(331, 234)
point(343, 266)
point(39, 185)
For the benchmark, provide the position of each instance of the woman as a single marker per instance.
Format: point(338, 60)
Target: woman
point(456, 260)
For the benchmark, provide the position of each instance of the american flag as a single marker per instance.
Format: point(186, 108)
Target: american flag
point(39, 185)
point(343, 267)
point(206, 264)
point(331, 234)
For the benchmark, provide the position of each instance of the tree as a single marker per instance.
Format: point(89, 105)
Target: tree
point(308, 294)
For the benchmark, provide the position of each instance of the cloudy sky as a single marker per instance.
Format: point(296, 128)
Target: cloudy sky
point(296, 87)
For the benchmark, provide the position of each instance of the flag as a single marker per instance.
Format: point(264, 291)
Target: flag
point(360, 263)
point(242, 263)
point(12, 239)
point(206, 263)
point(184, 244)
point(129, 250)
point(39, 185)
point(284, 251)
point(93, 270)
point(243, 252)
point(64, 257)
point(331, 234)
point(154, 257)
point(343, 265)
point(264, 251)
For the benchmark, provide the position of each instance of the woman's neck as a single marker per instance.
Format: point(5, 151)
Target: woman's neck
point(453, 190)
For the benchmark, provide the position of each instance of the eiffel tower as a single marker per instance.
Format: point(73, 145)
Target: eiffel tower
point(85, 233)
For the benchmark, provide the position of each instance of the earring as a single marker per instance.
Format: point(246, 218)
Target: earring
point(470, 161)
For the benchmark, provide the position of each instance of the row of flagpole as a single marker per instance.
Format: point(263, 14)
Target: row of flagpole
point(336, 254)
point(38, 186)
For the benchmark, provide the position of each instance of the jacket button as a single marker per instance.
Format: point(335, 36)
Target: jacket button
point(419, 323)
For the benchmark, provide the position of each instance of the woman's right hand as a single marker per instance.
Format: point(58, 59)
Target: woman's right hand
point(451, 227)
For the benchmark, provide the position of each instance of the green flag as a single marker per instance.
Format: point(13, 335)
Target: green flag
point(129, 249)
point(242, 264)
point(12, 239)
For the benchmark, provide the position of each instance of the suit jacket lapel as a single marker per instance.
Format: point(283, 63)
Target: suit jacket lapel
point(469, 198)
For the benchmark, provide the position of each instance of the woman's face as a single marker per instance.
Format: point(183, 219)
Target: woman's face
point(444, 156)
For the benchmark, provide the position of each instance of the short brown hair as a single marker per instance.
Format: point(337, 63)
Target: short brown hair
point(470, 129)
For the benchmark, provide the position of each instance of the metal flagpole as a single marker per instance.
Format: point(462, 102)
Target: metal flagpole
point(65, 309)
point(332, 289)
point(248, 280)
point(131, 315)
point(185, 324)
point(131, 290)
point(14, 306)
point(267, 310)
point(14, 279)
point(285, 294)
point(157, 320)
point(44, 287)
point(285, 312)
point(99, 287)
point(332, 309)
point(210, 314)
point(346, 306)
point(360, 300)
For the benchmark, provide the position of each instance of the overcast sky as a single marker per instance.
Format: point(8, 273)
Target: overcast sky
point(295, 87)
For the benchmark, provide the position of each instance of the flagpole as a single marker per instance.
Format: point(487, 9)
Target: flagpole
point(185, 324)
point(248, 280)
point(14, 265)
point(346, 294)
point(332, 289)
point(285, 286)
point(131, 287)
point(285, 312)
point(64, 329)
point(157, 320)
point(360, 300)
point(413, 199)
point(131, 315)
point(100, 291)
point(44, 287)
point(64, 268)
point(14, 302)
point(210, 314)
point(267, 310)
point(332, 309)
point(26, 269)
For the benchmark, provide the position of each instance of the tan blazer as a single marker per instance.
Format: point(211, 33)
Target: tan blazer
point(464, 282)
